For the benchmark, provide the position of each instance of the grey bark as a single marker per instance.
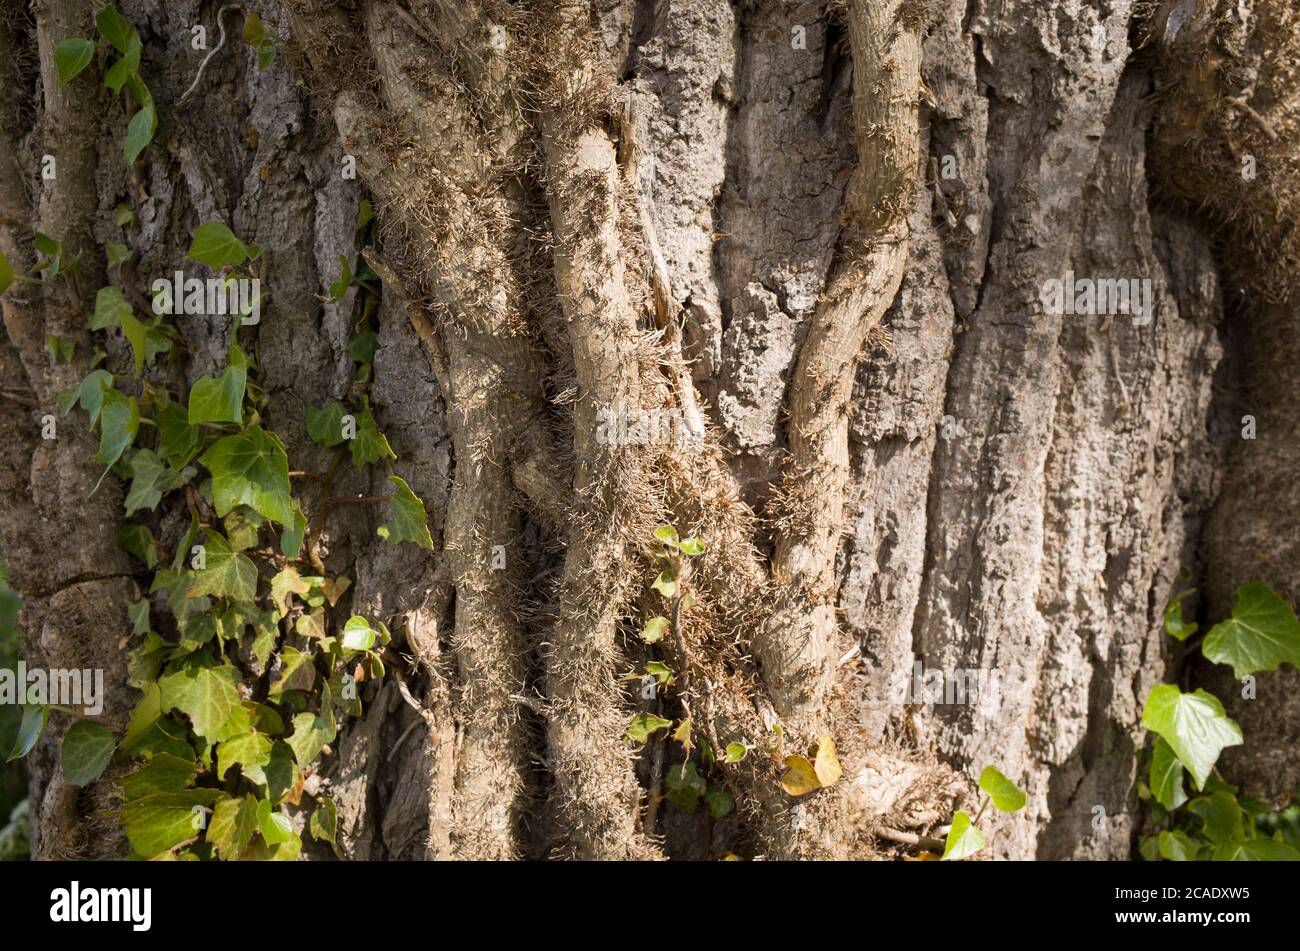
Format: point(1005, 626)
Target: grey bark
point(1024, 487)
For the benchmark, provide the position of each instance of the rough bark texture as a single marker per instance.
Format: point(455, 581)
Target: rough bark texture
point(826, 228)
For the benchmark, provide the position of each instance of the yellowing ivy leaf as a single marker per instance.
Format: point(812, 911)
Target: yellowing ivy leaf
point(827, 765)
point(800, 777)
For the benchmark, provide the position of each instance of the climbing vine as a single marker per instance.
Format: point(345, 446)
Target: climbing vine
point(245, 660)
point(1192, 729)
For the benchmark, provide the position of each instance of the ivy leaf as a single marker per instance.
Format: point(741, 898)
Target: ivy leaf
point(207, 695)
point(164, 773)
point(251, 469)
point(1166, 776)
point(324, 821)
point(149, 480)
point(233, 823)
point(1193, 724)
point(1178, 846)
point(87, 748)
point(682, 735)
point(735, 752)
point(115, 28)
point(1261, 634)
point(280, 776)
point(295, 531)
point(666, 583)
point(827, 765)
point(246, 749)
point(643, 724)
point(683, 787)
point(1175, 626)
point(719, 802)
point(800, 778)
point(30, 729)
point(358, 635)
point(311, 731)
point(216, 246)
point(297, 673)
point(325, 425)
point(1256, 850)
point(139, 133)
point(410, 522)
point(692, 546)
point(667, 534)
point(963, 839)
point(1005, 795)
point(6, 273)
point(119, 419)
point(155, 824)
point(254, 31)
point(274, 826)
point(1220, 815)
point(71, 57)
point(654, 629)
point(177, 439)
point(138, 540)
point(219, 399)
point(362, 346)
point(286, 582)
point(226, 573)
point(369, 445)
point(90, 394)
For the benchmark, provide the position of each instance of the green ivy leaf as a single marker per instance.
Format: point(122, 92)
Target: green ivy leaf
point(311, 731)
point(1221, 817)
point(119, 420)
point(226, 573)
point(683, 787)
point(719, 802)
point(216, 246)
point(963, 839)
point(1261, 634)
point(139, 133)
point(87, 749)
point(90, 394)
point(138, 540)
point(115, 28)
point(164, 773)
point(324, 821)
point(280, 776)
point(325, 425)
point(667, 534)
point(6, 273)
point(155, 824)
point(251, 469)
point(666, 583)
point(149, 480)
point(246, 749)
point(369, 445)
point(735, 752)
point(1166, 776)
point(358, 635)
point(1178, 846)
point(298, 672)
point(71, 57)
point(643, 724)
point(1193, 724)
point(1005, 795)
point(30, 729)
point(654, 629)
point(274, 825)
point(1256, 850)
point(233, 823)
point(1175, 626)
point(220, 399)
point(410, 522)
point(207, 695)
point(362, 346)
point(691, 546)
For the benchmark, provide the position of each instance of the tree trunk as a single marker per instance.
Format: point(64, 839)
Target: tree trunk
point(818, 233)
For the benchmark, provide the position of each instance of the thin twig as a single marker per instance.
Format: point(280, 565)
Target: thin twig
point(215, 50)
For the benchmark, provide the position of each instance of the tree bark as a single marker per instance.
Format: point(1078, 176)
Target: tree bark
point(820, 232)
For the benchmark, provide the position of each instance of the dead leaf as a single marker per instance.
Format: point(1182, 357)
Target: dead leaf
point(800, 778)
point(827, 766)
